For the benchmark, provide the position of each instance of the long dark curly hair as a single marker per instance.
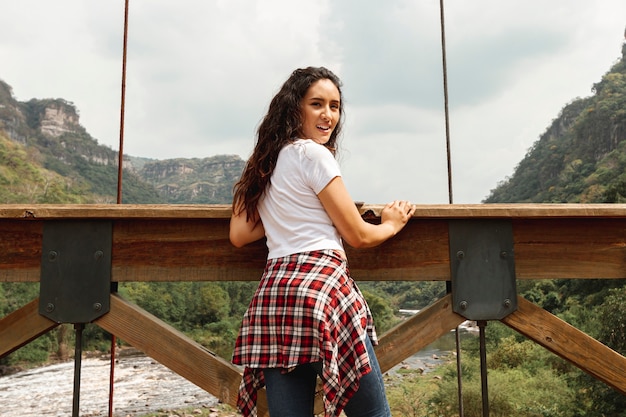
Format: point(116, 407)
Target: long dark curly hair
point(282, 124)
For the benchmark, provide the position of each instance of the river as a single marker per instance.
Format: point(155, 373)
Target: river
point(142, 385)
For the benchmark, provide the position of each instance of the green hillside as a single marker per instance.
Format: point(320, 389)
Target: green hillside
point(24, 180)
point(581, 157)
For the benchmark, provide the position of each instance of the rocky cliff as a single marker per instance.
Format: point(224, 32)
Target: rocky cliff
point(48, 133)
point(199, 181)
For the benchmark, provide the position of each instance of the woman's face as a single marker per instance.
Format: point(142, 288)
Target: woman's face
point(320, 111)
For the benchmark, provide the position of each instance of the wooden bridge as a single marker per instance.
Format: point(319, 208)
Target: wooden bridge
point(77, 251)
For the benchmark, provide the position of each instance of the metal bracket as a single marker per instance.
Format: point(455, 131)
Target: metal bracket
point(482, 266)
point(75, 282)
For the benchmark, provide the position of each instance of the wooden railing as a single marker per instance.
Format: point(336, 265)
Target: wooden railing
point(190, 243)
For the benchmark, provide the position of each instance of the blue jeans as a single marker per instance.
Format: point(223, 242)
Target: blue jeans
point(293, 394)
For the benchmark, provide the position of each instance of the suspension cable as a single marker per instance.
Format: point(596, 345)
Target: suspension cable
point(120, 166)
point(445, 100)
point(120, 156)
point(450, 193)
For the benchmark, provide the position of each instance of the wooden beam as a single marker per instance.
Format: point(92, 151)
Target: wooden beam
point(416, 333)
point(569, 343)
point(20, 250)
point(23, 326)
point(174, 350)
point(570, 248)
point(113, 211)
point(197, 211)
point(190, 243)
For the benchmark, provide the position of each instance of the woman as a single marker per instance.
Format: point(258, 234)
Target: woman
point(307, 317)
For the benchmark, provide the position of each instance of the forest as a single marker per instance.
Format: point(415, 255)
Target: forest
point(580, 158)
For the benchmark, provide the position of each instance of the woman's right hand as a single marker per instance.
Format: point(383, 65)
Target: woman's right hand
point(397, 213)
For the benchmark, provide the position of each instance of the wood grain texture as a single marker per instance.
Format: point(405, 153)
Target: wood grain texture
point(166, 211)
point(569, 343)
point(190, 243)
point(22, 326)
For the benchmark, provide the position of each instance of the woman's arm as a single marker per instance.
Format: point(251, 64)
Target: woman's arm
point(244, 231)
point(353, 229)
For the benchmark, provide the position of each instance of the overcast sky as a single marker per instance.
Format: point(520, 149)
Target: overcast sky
point(200, 74)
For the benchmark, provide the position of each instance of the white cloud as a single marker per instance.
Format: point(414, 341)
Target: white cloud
point(395, 152)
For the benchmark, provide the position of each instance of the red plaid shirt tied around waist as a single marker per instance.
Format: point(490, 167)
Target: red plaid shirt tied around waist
point(306, 309)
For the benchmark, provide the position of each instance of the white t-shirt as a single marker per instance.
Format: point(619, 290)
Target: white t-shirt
point(293, 216)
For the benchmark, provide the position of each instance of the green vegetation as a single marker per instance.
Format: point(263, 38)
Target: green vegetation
point(22, 180)
point(524, 379)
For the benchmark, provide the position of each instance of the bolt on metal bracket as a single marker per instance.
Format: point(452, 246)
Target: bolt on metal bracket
point(75, 281)
point(482, 267)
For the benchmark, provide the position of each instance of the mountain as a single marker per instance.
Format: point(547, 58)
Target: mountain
point(46, 156)
point(581, 157)
point(196, 181)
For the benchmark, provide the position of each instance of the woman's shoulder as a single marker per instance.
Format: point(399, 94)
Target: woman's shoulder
point(311, 148)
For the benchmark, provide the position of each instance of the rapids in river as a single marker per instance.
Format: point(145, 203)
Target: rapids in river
point(141, 386)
